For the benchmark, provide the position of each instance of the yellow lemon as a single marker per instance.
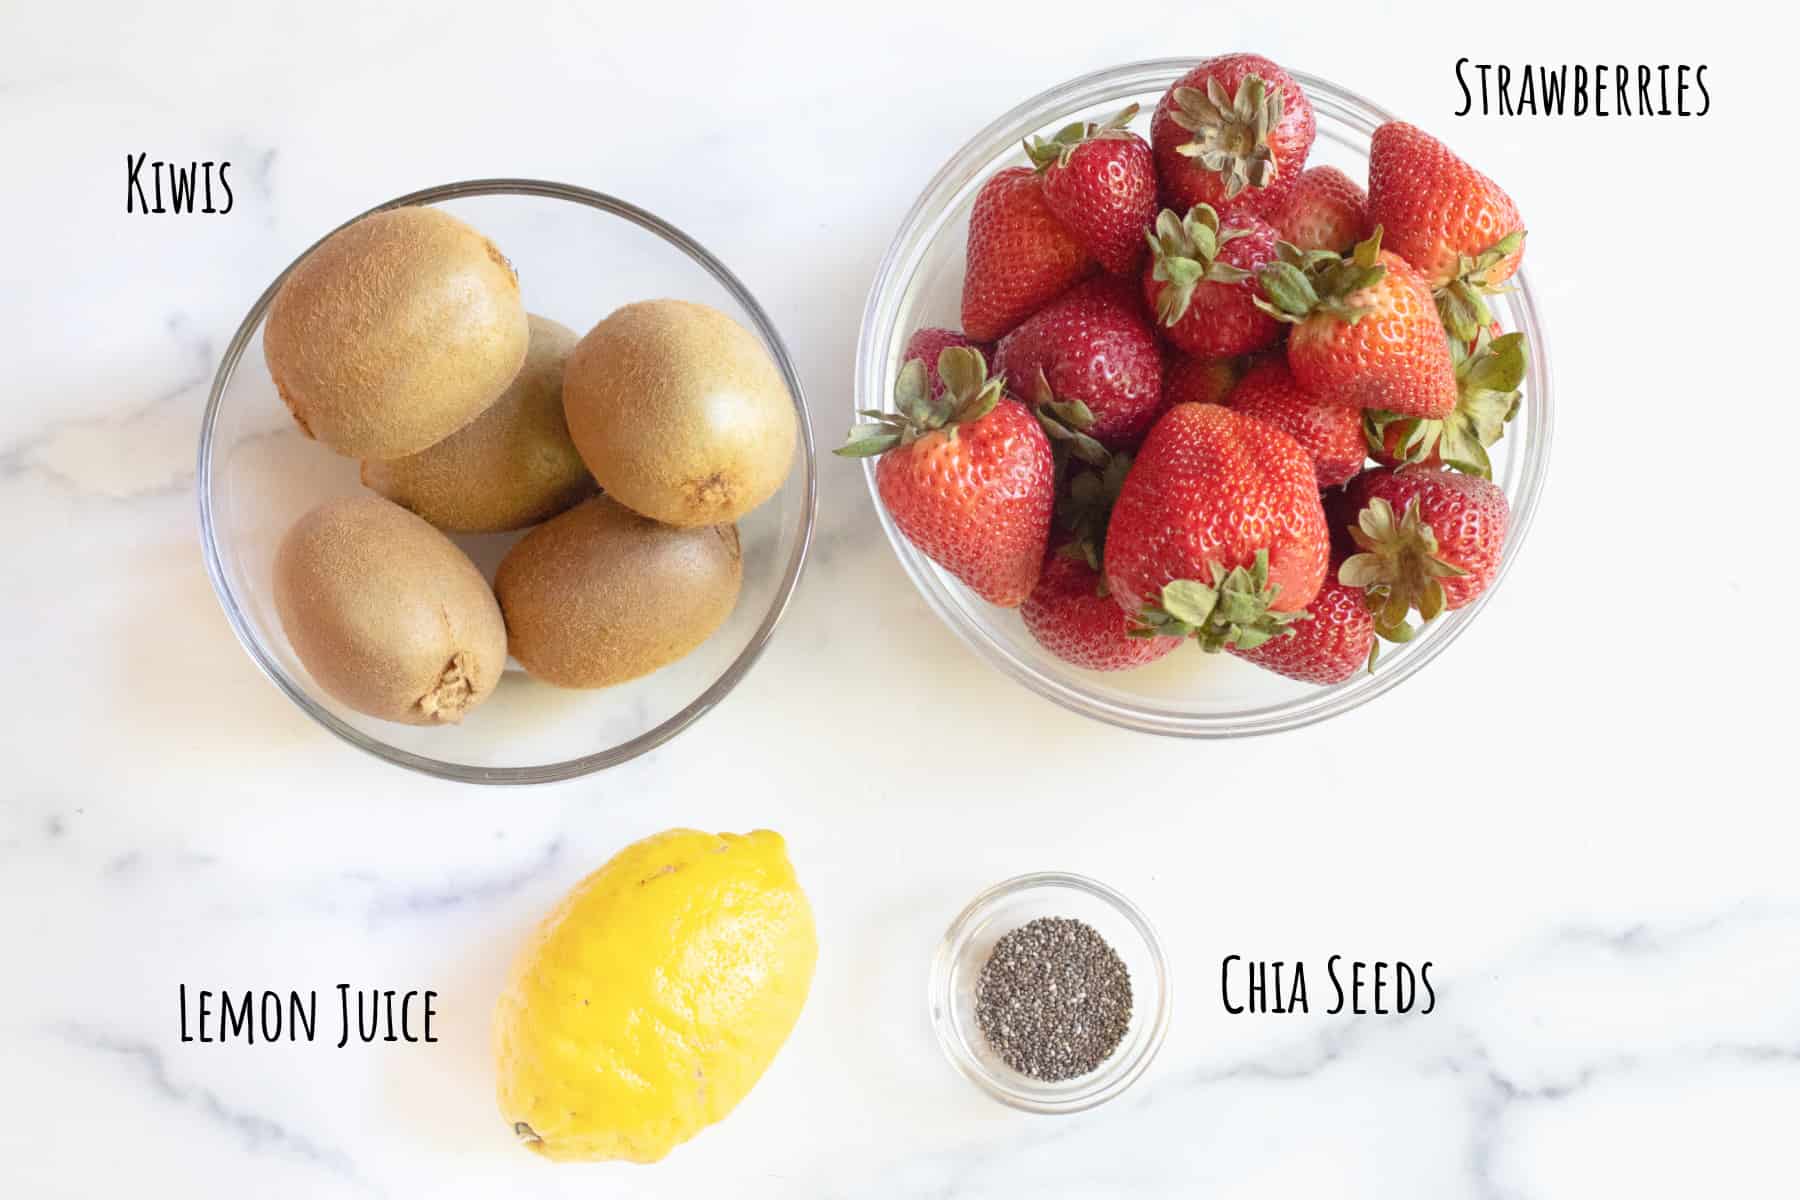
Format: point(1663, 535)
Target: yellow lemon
point(646, 1005)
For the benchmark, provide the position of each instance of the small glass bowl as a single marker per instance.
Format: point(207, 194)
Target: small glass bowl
point(1000, 910)
point(1186, 694)
point(579, 255)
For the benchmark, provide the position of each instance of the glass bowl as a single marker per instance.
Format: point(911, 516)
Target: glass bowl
point(579, 255)
point(1187, 693)
point(1000, 910)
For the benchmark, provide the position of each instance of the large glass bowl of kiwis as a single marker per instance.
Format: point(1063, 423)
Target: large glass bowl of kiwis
point(916, 305)
point(506, 481)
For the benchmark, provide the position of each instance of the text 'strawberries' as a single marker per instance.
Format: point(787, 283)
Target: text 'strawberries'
point(1582, 89)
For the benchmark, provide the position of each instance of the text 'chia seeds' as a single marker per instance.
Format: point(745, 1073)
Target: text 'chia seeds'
point(1053, 999)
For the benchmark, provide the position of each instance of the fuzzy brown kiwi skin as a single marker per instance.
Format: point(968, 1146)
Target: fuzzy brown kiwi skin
point(395, 332)
point(387, 614)
point(511, 467)
point(601, 595)
point(680, 413)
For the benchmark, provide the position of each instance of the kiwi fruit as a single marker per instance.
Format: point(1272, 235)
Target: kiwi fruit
point(601, 594)
point(512, 466)
point(387, 613)
point(679, 412)
point(395, 332)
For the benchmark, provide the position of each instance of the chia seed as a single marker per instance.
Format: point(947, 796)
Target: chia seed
point(1053, 999)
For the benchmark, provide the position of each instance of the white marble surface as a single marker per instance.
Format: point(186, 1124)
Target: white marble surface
point(1582, 813)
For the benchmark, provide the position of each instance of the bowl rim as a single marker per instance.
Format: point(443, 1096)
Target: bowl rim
point(585, 764)
point(1106, 1085)
point(1049, 109)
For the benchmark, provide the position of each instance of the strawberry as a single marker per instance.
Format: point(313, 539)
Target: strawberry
point(1325, 211)
point(1020, 256)
point(1429, 540)
point(1217, 531)
point(1488, 377)
point(1096, 353)
point(1233, 133)
point(1339, 639)
point(1445, 218)
point(1100, 182)
point(926, 344)
point(1072, 615)
point(1190, 380)
point(1331, 434)
point(1201, 282)
point(967, 477)
point(1366, 332)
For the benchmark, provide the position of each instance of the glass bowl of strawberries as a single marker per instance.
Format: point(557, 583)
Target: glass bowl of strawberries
point(1209, 351)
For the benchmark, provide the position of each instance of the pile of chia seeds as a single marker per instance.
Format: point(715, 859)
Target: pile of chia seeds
point(1053, 999)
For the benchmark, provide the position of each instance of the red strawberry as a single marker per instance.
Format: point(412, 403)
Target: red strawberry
point(1073, 616)
point(1020, 256)
point(1095, 349)
point(1330, 433)
point(1201, 282)
point(1325, 211)
point(1447, 219)
point(1488, 377)
point(1366, 332)
point(1328, 649)
point(1190, 380)
point(1217, 531)
point(926, 344)
point(1233, 133)
point(1430, 540)
point(967, 477)
point(1100, 182)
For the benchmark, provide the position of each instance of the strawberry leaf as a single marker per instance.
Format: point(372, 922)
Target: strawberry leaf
point(1488, 377)
point(1233, 611)
point(1066, 423)
point(866, 441)
point(968, 395)
point(963, 371)
point(1462, 301)
point(1189, 602)
point(1184, 253)
point(912, 393)
point(1055, 150)
point(1231, 133)
point(1290, 293)
point(1462, 309)
point(1085, 511)
point(1397, 567)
